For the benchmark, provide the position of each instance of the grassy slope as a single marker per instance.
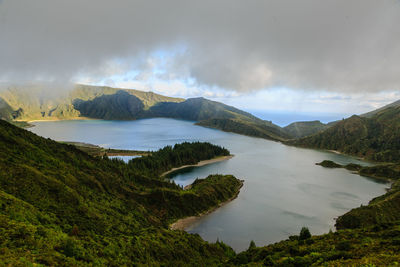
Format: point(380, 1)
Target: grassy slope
point(376, 138)
point(374, 112)
point(60, 206)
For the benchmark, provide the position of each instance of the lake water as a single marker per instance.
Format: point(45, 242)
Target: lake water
point(283, 191)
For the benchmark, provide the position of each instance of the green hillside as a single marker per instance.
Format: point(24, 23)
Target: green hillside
point(119, 106)
point(262, 129)
point(374, 112)
point(376, 138)
point(60, 206)
point(305, 128)
point(198, 109)
point(45, 102)
point(371, 246)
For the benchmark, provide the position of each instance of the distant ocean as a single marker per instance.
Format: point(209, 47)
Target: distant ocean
point(285, 118)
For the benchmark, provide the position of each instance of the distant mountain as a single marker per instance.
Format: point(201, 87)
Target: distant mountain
point(43, 102)
point(34, 103)
point(118, 106)
point(376, 138)
point(220, 116)
point(305, 128)
point(198, 109)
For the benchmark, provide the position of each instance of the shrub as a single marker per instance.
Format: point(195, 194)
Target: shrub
point(304, 234)
point(252, 245)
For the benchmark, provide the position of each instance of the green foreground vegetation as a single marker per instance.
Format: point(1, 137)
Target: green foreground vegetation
point(61, 206)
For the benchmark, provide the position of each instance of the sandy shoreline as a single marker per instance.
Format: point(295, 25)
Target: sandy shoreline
point(184, 223)
point(201, 163)
point(57, 119)
point(335, 151)
point(114, 154)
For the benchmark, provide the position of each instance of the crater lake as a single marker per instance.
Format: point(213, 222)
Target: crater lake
point(283, 190)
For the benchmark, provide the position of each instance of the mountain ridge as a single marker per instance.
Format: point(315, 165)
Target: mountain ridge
point(108, 103)
point(375, 138)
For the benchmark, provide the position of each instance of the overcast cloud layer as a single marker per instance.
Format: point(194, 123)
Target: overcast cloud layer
point(336, 45)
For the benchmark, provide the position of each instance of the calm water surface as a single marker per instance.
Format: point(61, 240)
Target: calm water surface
point(283, 190)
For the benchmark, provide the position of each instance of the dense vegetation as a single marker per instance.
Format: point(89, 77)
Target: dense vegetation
point(376, 111)
point(60, 206)
point(179, 155)
point(119, 106)
point(376, 138)
point(371, 246)
point(262, 129)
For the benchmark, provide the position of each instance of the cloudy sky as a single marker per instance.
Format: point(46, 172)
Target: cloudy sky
point(335, 56)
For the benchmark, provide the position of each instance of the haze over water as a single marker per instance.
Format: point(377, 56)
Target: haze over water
point(283, 190)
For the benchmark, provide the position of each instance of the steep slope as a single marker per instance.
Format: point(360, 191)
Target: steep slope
point(305, 128)
point(374, 112)
point(6, 112)
point(118, 106)
point(44, 102)
point(149, 99)
point(376, 138)
point(60, 206)
point(198, 109)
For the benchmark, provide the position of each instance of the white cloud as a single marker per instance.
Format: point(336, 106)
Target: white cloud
point(333, 45)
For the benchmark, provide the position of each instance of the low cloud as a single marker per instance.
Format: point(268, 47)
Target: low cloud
point(333, 45)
